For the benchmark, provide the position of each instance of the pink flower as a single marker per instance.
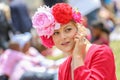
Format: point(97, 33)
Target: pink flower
point(77, 16)
point(45, 24)
point(44, 21)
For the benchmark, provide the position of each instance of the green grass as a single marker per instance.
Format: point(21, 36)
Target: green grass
point(115, 45)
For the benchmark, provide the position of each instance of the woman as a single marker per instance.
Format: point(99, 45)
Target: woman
point(61, 26)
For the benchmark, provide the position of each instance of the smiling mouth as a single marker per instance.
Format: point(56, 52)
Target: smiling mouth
point(65, 43)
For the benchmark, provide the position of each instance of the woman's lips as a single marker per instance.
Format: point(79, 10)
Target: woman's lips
point(65, 43)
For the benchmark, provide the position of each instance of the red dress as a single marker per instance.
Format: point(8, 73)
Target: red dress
point(99, 64)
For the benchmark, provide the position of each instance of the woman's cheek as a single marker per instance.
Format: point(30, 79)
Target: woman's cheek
point(55, 39)
point(74, 34)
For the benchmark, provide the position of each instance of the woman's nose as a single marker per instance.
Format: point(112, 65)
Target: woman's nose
point(63, 36)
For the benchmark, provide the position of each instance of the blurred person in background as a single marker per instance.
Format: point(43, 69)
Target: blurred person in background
point(20, 16)
point(13, 55)
point(5, 25)
point(9, 59)
point(36, 67)
point(108, 4)
point(100, 33)
point(108, 18)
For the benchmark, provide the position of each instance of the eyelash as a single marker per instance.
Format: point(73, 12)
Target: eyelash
point(69, 29)
point(56, 33)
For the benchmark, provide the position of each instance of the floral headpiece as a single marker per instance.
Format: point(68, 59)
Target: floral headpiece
point(46, 20)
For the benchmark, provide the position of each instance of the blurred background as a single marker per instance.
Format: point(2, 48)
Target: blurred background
point(23, 48)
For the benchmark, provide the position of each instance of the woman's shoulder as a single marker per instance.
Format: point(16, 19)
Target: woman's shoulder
point(100, 47)
point(100, 50)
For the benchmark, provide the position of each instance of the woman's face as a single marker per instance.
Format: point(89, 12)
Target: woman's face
point(64, 37)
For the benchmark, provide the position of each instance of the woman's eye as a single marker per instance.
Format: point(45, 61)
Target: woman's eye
point(56, 33)
point(67, 30)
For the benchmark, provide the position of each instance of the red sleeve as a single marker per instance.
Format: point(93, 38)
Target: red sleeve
point(102, 67)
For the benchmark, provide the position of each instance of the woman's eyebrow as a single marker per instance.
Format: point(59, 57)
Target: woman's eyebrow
point(67, 26)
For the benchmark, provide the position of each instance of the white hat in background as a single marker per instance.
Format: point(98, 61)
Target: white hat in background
point(22, 39)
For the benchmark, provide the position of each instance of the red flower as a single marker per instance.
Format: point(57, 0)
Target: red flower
point(47, 42)
point(62, 12)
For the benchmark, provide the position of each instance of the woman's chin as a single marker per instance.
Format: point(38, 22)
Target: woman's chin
point(67, 50)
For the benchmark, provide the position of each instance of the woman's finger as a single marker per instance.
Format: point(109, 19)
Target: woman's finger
point(80, 38)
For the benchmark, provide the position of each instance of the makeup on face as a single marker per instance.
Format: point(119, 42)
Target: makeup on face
point(64, 37)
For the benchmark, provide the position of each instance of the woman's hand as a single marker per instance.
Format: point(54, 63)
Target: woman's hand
point(80, 41)
point(80, 47)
